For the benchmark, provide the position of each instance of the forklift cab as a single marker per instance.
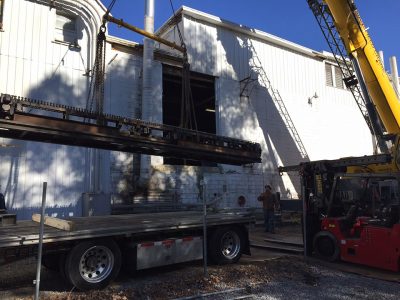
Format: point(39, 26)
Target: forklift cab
point(376, 198)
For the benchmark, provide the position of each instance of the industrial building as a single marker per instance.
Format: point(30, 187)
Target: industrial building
point(246, 84)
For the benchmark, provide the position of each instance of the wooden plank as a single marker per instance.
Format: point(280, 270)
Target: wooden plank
point(55, 222)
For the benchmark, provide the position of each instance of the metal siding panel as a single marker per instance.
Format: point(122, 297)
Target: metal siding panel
point(190, 32)
point(42, 39)
point(13, 30)
point(4, 72)
point(26, 77)
point(36, 32)
point(200, 55)
point(28, 30)
point(19, 37)
point(11, 72)
point(200, 52)
point(19, 71)
point(213, 38)
point(220, 54)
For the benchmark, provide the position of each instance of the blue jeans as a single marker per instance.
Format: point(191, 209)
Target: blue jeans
point(269, 223)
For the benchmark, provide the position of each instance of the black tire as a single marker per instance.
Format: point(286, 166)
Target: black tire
point(62, 269)
point(225, 245)
point(326, 246)
point(51, 261)
point(93, 264)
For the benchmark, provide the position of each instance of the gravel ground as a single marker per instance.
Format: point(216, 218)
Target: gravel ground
point(286, 277)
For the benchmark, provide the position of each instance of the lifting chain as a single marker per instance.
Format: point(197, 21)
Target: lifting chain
point(96, 88)
point(188, 111)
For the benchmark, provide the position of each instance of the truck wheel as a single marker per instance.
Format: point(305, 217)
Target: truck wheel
point(325, 246)
point(225, 245)
point(51, 261)
point(93, 264)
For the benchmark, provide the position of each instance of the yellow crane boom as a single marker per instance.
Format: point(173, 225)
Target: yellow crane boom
point(358, 44)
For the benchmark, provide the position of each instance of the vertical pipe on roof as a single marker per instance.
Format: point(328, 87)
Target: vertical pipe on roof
point(395, 74)
point(382, 58)
point(147, 99)
point(148, 50)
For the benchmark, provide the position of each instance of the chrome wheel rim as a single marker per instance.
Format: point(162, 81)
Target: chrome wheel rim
point(230, 245)
point(96, 264)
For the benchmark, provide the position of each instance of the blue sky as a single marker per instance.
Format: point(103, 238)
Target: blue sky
point(289, 19)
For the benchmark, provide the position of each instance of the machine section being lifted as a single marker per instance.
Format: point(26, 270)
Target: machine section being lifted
point(28, 119)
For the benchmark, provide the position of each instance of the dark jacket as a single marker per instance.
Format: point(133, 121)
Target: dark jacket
point(268, 199)
point(2, 202)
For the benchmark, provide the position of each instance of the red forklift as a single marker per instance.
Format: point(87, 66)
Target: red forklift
point(353, 217)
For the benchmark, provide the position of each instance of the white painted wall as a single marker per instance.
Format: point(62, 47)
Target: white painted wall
point(33, 64)
point(330, 128)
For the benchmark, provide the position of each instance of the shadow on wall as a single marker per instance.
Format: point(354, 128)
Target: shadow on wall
point(26, 165)
point(123, 98)
point(29, 164)
point(72, 210)
point(10, 156)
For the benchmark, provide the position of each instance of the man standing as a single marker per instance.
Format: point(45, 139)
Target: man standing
point(269, 201)
point(2, 204)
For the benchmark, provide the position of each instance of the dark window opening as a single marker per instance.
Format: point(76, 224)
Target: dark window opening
point(1, 13)
point(203, 91)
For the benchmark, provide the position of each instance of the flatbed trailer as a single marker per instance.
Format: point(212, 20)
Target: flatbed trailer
point(90, 255)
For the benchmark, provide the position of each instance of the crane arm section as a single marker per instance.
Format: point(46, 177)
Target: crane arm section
point(358, 44)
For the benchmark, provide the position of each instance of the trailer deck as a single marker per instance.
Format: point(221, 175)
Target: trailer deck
point(26, 233)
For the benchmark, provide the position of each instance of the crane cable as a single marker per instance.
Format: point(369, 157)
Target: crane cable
point(188, 112)
point(179, 31)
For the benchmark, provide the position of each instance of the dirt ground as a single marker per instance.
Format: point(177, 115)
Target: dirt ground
point(264, 275)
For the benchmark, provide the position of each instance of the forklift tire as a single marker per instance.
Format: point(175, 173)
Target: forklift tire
point(93, 264)
point(326, 246)
point(225, 245)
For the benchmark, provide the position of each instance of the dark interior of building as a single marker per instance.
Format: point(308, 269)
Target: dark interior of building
point(203, 92)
